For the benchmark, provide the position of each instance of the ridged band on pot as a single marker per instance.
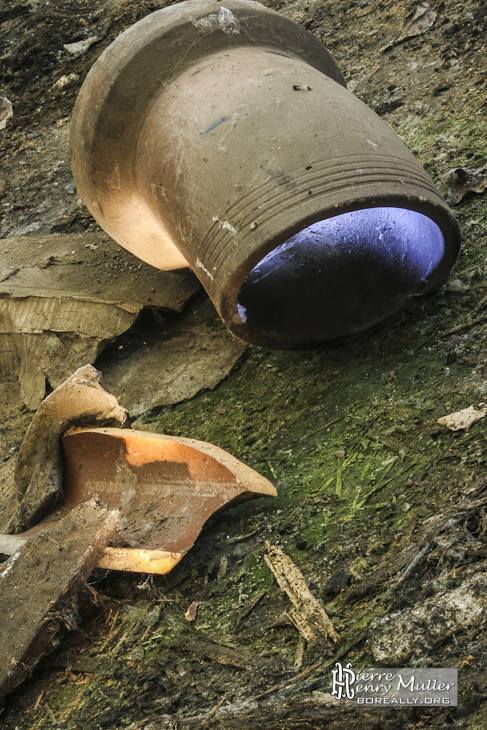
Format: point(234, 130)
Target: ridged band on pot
point(221, 136)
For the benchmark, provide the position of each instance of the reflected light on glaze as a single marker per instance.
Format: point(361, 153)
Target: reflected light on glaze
point(341, 275)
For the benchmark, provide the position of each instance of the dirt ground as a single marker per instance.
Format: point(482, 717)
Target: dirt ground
point(392, 535)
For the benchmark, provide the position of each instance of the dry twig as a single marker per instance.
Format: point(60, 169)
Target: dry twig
point(465, 325)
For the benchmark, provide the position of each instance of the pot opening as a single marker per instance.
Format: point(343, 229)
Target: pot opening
point(341, 275)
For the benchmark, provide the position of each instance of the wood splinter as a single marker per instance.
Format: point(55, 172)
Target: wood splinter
point(308, 615)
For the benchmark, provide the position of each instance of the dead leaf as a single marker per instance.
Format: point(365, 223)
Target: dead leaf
point(422, 21)
point(465, 418)
point(192, 612)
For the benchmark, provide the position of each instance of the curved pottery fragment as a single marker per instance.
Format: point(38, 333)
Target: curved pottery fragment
point(165, 488)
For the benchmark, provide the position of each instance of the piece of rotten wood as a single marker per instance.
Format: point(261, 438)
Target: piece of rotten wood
point(464, 326)
point(307, 614)
point(10, 544)
point(38, 587)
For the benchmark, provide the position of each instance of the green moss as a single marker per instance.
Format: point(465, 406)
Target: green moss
point(479, 720)
point(442, 142)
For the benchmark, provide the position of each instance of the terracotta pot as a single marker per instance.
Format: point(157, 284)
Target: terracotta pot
point(221, 136)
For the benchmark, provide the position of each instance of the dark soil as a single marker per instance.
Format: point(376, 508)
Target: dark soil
point(400, 525)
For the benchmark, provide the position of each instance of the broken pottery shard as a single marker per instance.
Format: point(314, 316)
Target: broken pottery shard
point(126, 559)
point(81, 400)
point(462, 180)
point(394, 639)
point(38, 587)
point(159, 562)
point(67, 298)
point(465, 418)
point(187, 357)
point(166, 487)
point(308, 614)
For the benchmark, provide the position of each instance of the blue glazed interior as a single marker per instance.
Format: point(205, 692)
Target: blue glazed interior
point(342, 274)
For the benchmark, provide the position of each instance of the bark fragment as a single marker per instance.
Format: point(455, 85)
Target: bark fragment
point(308, 615)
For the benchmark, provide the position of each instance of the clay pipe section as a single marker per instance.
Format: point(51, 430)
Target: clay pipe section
point(222, 137)
point(165, 489)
